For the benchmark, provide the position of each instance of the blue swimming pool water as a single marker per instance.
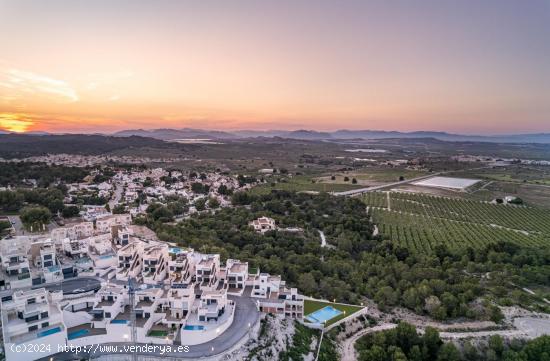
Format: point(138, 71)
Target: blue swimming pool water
point(120, 322)
point(76, 334)
point(53, 268)
point(323, 315)
point(175, 250)
point(106, 256)
point(193, 327)
point(51, 331)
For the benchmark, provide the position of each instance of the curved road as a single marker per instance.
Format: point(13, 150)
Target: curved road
point(245, 317)
point(348, 349)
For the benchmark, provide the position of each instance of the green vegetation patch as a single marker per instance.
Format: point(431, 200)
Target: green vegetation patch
point(405, 343)
point(302, 184)
point(157, 333)
point(301, 343)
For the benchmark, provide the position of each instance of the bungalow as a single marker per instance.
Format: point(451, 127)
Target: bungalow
point(263, 224)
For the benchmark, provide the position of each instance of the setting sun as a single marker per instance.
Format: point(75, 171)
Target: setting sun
point(15, 122)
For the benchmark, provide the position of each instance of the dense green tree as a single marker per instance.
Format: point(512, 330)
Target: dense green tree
point(200, 204)
point(15, 173)
point(213, 203)
point(448, 352)
point(307, 283)
point(35, 217)
point(119, 209)
point(70, 211)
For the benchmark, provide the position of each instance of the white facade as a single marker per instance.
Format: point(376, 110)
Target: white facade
point(30, 318)
point(206, 270)
point(155, 264)
point(263, 224)
point(130, 261)
point(104, 225)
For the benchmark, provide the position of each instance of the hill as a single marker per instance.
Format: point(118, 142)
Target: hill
point(344, 134)
point(170, 134)
point(22, 145)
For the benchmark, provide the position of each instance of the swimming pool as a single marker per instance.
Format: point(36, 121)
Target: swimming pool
point(51, 331)
point(323, 315)
point(119, 322)
point(106, 256)
point(193, 327)
point(77, 334)
point(175, 250)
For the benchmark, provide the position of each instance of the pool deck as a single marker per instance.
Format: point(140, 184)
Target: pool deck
point(88, 327)
point(319, 316)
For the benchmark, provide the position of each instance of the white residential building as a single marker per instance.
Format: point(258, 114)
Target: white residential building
point(15, 265)
point(181, 268)
point(263, 224)
point(212, 305)
point(104, 225)
point(155, 263)
point(206, 270)
point(75, 248)
point(43, 253)
point(30, 318)
point(275, 297)
point(236, 274)
point(130, 261)
point(76, 231)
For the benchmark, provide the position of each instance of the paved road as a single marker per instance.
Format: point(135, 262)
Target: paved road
point(245, 317)
point(74, 285)
point(20, 231)
point(116, 197)
point(323, 238)
point(348, 349)
point(17, 225)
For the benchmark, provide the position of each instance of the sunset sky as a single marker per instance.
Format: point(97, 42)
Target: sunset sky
point(459, 66)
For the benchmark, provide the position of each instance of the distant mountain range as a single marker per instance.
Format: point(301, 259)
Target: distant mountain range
point(189, 133)
point(343, 134)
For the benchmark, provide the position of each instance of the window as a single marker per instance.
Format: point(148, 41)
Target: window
point(30, 301)
point(44, 314)
point(47, 256)
point(31, 319)
point(107, 314)
point(33, 328)
point(45, 324)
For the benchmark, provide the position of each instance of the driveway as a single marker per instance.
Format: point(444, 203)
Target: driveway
point(74, 285)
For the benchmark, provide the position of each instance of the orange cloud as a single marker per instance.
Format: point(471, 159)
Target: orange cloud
point(17, 123)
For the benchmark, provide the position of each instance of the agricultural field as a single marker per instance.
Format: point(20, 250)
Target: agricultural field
point(515, 174)
point(302, 184)
point(421, 221)
point(373, 176)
